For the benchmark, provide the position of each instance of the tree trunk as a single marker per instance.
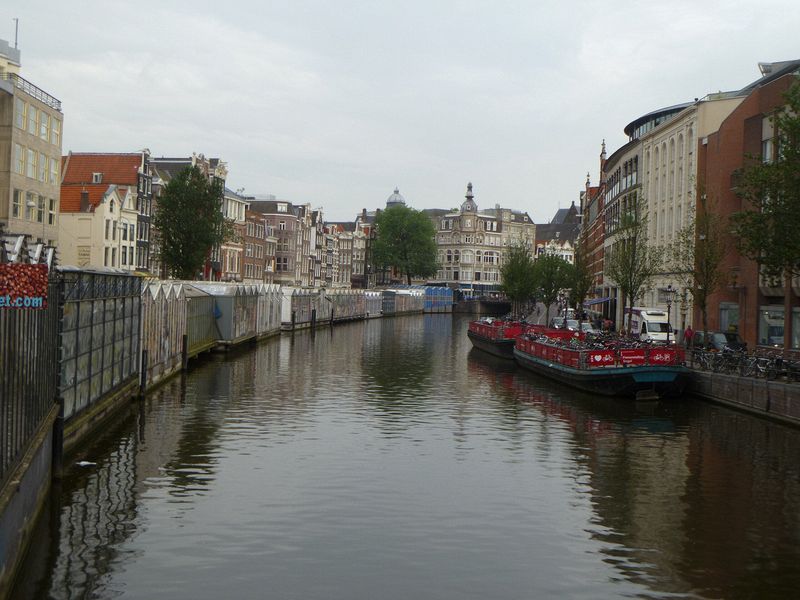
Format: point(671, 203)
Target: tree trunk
point(787, 313)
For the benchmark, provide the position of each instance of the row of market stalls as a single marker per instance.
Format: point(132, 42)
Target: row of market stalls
point(182, 319)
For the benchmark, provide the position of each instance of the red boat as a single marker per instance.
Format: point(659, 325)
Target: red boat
point(496, 336)
point(644, 372)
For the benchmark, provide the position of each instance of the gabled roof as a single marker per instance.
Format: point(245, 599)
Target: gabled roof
point(122, 169)
point(270, 207)
point(342, 225)
point(70, 198)
point(560, 231)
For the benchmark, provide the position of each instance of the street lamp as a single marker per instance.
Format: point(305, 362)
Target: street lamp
point(669, 295)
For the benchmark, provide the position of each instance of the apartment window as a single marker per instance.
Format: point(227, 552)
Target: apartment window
point(42, 167)
point(113, 257)
point(282, 225)
point(21, 113)
point(19, 159)
point(124, 255)
point(124, 231)
point(51, 211)
point(32, 117)
point(16, 206)
point(54, 171)
point(282, 208)
point(114, 230)
point(108, 223)
point(130, 231)
point(31, 170)
point(44, 125)
point(105, 255)
point(30, 204)
point(40, 209)
point(97, 178)
point(55, 132)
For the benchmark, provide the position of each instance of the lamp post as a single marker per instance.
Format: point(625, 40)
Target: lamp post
point(669, 294)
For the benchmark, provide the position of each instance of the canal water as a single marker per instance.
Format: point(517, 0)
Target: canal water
point(388, 460)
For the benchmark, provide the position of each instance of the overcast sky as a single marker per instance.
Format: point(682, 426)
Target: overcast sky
point(337, 102)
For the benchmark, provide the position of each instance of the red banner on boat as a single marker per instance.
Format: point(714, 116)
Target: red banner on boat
point(600, 358)
point(632, 356)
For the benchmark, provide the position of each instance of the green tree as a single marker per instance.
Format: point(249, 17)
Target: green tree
point(517, 274)
point(696, 256)
point(768, 226)
point(633, 261)
point(190, 222)
point(405, 241)
point(552, 274)
point(581, 281)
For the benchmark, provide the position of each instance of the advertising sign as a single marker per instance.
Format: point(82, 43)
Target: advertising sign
point(23, 286)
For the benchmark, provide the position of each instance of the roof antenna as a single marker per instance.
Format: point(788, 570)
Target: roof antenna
point(16, 31)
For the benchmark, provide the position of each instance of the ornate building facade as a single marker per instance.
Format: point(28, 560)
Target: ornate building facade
point(471, 242)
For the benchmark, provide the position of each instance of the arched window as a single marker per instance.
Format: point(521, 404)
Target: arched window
point(449, 256)
point(456, 256)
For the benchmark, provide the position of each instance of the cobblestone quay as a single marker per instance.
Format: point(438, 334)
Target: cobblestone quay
point(385, 459)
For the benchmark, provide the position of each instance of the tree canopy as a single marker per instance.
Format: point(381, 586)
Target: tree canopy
point(190, 222)
point(405, 241)
point(517, 274)
point(697, 253)
point(551, 274)
point(633, 261)
point(582, 279)
point(768, 228)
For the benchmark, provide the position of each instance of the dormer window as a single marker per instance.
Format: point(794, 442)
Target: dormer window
point(111, 206)
point(282, 208)
point(97, 178)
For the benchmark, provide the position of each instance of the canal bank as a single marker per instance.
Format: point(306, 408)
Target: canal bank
point(764, 398)
point(408, 466)
point(106, 337)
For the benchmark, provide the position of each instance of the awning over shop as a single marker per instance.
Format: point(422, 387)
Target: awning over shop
point(596, 301)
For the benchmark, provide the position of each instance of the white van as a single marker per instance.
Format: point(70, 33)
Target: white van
point(649, 324)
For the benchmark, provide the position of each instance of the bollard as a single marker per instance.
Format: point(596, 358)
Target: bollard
point(57, 468)
point(184, 352)
point(143, 376)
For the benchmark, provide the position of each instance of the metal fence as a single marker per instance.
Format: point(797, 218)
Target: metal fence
point(99, 337)
point(28, 368)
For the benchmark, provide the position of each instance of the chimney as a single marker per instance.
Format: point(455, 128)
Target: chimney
point(84, 201)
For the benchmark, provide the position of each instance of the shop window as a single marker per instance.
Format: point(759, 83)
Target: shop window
point(770, 326)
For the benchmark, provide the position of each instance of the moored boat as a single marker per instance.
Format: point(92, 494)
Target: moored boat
point(495, 336)
point(642, 373)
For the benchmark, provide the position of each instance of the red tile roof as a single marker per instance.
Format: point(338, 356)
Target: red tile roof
point(121, 169)
point(71, 196)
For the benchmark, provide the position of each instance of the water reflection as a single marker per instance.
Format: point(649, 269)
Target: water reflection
point(386, 459)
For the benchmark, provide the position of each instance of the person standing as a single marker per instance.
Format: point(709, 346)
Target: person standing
point(688, 336)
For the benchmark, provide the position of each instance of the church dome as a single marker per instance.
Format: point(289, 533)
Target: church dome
point(395, 199)
point(469, 204)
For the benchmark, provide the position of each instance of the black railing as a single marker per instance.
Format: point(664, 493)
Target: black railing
point(30, 89)
point(28, 375)
point(99, 336)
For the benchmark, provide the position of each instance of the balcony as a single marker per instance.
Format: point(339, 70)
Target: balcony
point(30, 89)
